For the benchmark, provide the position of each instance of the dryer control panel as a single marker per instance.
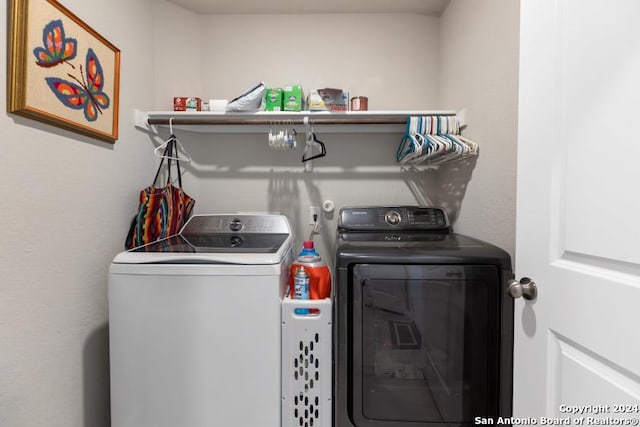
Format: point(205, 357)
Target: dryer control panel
point(385, 218)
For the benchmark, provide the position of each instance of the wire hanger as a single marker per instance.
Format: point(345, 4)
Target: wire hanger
point(172, 138)
point(313, 141)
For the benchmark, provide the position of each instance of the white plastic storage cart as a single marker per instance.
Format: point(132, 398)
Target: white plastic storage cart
point(306, 363)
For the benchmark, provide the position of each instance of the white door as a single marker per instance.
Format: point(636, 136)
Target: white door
point(578, 230)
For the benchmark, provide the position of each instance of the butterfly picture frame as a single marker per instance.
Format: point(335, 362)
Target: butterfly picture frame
point(62, 72)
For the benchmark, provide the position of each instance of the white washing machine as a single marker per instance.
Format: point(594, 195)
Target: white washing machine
point(194, 325)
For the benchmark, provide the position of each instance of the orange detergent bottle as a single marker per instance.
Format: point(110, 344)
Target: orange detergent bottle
point(318, 271)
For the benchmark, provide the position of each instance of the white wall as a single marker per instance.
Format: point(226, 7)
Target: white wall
point(67, 201)
point(479, 71)
point(219, 56)
point(374, 55)
point(178, 56)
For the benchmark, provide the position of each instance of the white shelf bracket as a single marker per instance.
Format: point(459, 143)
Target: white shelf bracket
point(140, 122)
point(462, 118)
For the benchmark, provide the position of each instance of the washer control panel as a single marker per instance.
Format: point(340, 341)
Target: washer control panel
point(215, 224)
point(404, 218)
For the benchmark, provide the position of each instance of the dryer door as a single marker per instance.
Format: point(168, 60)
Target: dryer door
point(426, 344)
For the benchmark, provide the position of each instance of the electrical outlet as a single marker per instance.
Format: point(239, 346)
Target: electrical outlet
point(314, 211)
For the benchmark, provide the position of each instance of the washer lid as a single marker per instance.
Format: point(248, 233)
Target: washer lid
point(233, 239)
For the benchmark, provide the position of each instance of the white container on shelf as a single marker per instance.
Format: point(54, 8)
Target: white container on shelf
point(218, 105)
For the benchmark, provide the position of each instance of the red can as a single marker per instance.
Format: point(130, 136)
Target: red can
point(359, 103)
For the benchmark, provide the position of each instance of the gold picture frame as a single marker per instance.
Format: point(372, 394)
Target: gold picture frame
point(61, 71)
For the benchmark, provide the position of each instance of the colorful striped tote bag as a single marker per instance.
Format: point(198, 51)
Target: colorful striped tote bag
point(162, 211)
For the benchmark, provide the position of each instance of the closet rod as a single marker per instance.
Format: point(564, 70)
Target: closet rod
point(381, 120)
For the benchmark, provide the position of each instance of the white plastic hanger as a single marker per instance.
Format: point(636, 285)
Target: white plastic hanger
point(434, 140)
point(158, 151)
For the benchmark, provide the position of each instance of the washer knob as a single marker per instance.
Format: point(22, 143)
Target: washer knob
point(392, 218)
point(236, 241)
point(235, 224)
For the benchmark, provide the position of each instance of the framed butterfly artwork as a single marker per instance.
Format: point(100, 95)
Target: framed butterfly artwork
point(61, 72)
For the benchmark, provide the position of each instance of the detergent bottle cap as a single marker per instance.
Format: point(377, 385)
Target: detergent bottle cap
point(308, 251)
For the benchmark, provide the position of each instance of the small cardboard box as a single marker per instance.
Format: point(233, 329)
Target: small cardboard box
point(187, 104)
point(315, 102)
point(334, 99)
point(273, 99)
point(293, 98)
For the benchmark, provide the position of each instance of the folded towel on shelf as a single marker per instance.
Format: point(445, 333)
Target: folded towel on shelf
point(251, 100)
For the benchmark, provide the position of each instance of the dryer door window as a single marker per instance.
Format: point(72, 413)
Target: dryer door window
point(425, 344)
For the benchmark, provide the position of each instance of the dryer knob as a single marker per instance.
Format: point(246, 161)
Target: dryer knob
point(392, 218)
point(235, 224)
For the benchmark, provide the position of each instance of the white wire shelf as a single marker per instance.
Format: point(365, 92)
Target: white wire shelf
point(260, 122)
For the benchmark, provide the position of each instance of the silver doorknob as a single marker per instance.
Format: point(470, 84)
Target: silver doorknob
point(525, 288)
